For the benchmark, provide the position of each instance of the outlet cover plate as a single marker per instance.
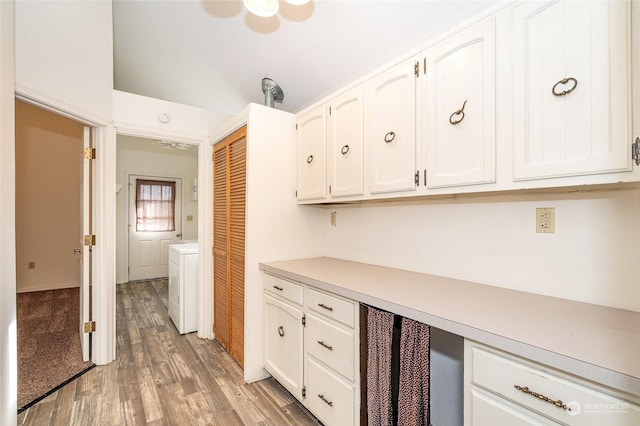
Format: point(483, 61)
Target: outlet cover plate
point(545, 220)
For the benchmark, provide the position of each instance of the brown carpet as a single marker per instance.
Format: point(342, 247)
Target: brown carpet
point(49, 352)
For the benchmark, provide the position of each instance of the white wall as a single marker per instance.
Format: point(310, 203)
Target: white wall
point(64, 55)
point(8, 338)
point(592, 257)
point(138, 156)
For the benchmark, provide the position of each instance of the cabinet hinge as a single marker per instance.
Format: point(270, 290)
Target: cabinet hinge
point(424, 68)
point(90, 153)
point(329, 111)
point(416, 69)
point(90, 240)
point(304, 320)
point(635, 151)
point(329, 189)
point(416, 178)
point(425, 177)
point(296, 126)
point(90, 327)
point(304, 392)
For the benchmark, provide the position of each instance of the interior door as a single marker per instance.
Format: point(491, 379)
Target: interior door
point(149, 250)
point(85, 186)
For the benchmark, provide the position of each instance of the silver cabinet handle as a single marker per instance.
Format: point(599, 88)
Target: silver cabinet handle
point(323, 306)
point(281, 331)
point(389, 137)
point(558, 403)
point(329, 403)
point(324, 345)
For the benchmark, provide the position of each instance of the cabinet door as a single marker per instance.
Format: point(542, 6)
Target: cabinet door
point(312, 164)
point(571, 88)
point(391, 127)
point(458, 109)
point(345, 144)
point(283, 343)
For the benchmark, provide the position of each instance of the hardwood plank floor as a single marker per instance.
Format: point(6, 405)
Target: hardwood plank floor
point(162, 378)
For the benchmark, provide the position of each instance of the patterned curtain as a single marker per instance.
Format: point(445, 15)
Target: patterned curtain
point(379, 394)
point(155, 205)
point(413, 393)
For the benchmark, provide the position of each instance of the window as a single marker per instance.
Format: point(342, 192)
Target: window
point(155, 205)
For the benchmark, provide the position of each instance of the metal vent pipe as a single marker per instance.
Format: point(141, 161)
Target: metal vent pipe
point(272, 92)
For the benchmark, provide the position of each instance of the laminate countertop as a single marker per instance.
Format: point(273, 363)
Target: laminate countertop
point(595, 342)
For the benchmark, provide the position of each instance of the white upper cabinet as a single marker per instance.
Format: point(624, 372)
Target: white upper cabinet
point(345, 143)
point(571, 88)
point(391, 129)
point(311, 158)
point(458, 108)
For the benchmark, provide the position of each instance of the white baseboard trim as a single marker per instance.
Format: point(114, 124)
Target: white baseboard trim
point(45, 287)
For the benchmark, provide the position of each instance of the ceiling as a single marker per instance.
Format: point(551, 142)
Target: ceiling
point(214, 54)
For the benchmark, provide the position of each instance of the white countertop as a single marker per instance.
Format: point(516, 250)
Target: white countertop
point(595, 342)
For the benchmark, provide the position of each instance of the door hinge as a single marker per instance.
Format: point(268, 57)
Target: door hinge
point(90, 327)
point(416, 69)
point(304, 391)
point(635, 151)
point(90, 240)
point(416, 178)
point(304, 320)
point(90, 153)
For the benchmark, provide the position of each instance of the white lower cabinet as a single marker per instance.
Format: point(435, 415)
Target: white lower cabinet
point(311, 347)
point(503, 389)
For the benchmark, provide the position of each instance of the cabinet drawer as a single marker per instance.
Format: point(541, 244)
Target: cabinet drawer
point(330, 344)
point(286, 289)
point(489, 409)
point(329, 397)
point(587, 404)
point(331, 306)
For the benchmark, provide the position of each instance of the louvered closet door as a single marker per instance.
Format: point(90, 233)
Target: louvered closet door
point(220, 254)
point(237, 193)
point(229, 170)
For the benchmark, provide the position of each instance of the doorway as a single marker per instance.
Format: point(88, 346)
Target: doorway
point(50, 257)
point(137, 257)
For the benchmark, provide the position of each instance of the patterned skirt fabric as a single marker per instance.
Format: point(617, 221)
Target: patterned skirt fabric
point(413, 394)
point(379, 342)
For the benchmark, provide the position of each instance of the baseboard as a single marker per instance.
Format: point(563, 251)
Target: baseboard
point(46, 287)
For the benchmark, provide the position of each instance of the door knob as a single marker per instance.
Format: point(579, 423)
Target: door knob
point(77, 251)
point(179, 234)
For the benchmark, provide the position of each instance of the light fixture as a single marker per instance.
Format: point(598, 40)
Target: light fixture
point(172, 145)
point(267, 8)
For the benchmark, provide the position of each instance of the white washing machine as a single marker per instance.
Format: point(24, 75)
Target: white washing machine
point(183, 286)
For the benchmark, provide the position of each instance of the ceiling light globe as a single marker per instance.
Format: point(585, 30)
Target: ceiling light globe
point(297, 2)
point(262, 8)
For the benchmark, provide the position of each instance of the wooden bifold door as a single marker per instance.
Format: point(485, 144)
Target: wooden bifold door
point(229, 190)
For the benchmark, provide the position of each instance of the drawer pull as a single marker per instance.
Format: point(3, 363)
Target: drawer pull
point(324, 345)
point(278, 288)
point(329, 403)
point(558, 403)
point(281, 331)
point(323, 306)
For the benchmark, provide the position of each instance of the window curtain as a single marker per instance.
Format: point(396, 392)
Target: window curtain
point(155, 205)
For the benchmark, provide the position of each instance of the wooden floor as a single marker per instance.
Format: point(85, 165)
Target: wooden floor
point(162, 378)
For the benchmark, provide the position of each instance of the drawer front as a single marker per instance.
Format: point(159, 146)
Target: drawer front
point(330, 344)
point(331, 306)
point(489, 409)
point(283, 288)
point(587, 406)
point(329, 397)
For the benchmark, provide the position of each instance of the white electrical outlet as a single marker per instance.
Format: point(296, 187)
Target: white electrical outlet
point(546, 220)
